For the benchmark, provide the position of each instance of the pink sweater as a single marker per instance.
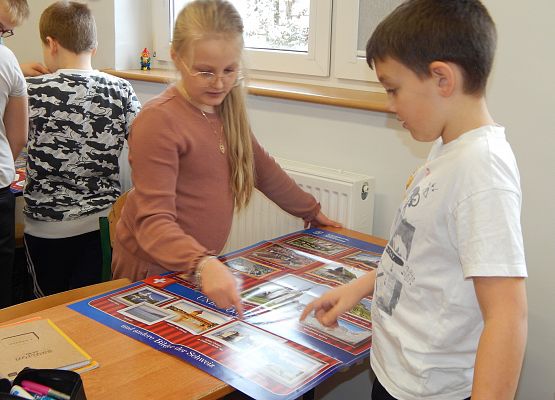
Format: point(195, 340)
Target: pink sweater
point(181, 207)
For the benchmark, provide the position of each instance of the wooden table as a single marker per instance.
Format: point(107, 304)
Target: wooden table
point(130, 369)
point(358, 235)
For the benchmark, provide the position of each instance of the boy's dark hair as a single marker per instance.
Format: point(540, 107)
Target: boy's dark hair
point(18, 10)
point(71, 24)
point(419, 32)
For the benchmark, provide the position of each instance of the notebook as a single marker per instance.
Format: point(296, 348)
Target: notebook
point(38, 343)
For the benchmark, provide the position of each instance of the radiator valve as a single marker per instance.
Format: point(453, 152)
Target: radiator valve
point(364, 191)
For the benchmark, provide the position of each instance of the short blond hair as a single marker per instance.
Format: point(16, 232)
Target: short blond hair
point(18, 10)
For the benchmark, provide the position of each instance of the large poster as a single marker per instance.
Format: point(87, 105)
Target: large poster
point(269, 353)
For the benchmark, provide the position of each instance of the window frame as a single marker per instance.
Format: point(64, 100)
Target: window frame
point(332, 60)
point(315, 62)
point(161, 11)
point(349, 64)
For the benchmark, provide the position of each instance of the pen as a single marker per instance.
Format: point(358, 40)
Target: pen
point(43, 390)
point(17, 390)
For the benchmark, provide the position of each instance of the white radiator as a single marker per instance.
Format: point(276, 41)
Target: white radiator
point(345, 197)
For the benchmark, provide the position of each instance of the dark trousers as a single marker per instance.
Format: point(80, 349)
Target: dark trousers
point(57, 265)
point(7, 245)
point(379, 392)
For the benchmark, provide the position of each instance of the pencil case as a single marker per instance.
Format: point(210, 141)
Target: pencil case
point(68, 382)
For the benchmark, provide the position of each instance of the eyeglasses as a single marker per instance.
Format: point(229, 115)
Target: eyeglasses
point(5, 33)
point(208, 78)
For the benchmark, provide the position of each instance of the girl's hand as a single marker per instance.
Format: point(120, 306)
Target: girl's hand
point(218, 283)
point(321, 220)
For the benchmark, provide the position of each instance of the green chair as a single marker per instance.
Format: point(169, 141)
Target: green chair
point(107, 234)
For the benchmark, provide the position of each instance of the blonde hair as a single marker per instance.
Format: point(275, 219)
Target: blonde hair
point(218, 18)
point(18, 10)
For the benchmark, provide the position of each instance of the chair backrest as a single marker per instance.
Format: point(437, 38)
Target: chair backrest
point(115, 213)
point(32, 306)
point(108, 233)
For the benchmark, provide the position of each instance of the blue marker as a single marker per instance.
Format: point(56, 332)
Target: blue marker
point(17, 390)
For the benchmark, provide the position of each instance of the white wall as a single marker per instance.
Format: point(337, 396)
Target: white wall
point(353, 140)
point(26, 41)
point(131, 35)
point(27, 44)
point(119, 45)
point(522, 97)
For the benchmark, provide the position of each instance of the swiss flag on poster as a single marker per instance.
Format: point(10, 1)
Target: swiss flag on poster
point(159, 281)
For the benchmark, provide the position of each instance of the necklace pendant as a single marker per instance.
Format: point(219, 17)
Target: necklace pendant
point(221, 145)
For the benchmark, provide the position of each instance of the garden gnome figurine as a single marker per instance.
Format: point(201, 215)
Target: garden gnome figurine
point(145, 60)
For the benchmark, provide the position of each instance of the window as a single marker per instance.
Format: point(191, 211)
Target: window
point(355, 22)
point(292, 39)
point(290, 36)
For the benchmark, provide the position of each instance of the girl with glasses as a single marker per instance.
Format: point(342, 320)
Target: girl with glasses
point(195, 160)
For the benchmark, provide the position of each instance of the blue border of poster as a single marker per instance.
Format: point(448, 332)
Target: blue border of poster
point(284, 360)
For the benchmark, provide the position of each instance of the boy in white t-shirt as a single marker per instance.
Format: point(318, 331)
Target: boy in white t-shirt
point(13, 135)
point(449, 302)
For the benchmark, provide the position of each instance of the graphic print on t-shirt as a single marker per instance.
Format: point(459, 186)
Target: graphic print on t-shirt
point(391, 275)
point(395, 270)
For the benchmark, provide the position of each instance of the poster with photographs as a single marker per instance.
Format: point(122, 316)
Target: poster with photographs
point(346, 331)
point(283, 256)
point(317, 245)
point(146, 313)
point(194, 318)
point(338, 272)
point(243, 337)
point(284, 364)
point(144, 294)
point(370, 260)
point(249, 267)
point(268, 353)
point(288, 291)
point(362, 310)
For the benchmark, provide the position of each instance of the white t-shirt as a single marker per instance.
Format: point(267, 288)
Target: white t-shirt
point(460, 219)
point(12, 84)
